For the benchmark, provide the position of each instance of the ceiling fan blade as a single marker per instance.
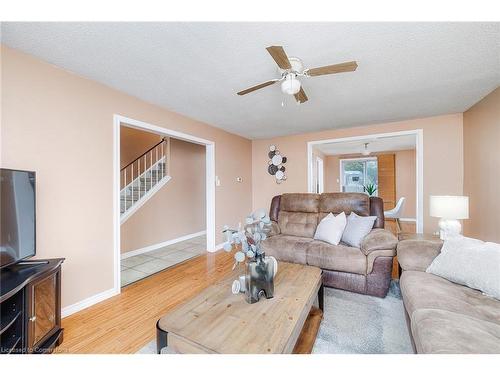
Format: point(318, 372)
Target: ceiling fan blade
point(332, 69)
point(279, 55)
point(262, 85)
point(301, 96)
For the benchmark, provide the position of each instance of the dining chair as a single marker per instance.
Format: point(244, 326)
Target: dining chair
point(396, 213)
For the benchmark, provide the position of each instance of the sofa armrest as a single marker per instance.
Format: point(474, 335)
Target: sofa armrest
point(418, 254)
point(274, 230)
point(379, 239)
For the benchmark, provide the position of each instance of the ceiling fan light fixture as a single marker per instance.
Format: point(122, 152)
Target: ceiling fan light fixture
point(291, 67)
point(291, 85)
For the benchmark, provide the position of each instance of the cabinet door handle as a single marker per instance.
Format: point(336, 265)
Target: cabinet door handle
point(33, 318)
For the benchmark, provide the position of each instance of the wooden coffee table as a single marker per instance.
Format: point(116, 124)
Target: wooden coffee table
point(217, 321)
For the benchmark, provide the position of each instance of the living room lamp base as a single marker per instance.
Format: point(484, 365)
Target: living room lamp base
point(449, 228)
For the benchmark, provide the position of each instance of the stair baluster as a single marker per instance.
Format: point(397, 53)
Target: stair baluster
point(125, 185)
point(139, 177)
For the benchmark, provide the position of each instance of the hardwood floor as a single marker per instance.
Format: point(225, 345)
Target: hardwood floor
point(126, 322)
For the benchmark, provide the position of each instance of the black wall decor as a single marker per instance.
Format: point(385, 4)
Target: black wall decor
point(276, 167)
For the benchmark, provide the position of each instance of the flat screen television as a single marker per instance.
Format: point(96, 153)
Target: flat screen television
point(17, 216)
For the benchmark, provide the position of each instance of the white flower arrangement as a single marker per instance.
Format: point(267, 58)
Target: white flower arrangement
point(257, 225)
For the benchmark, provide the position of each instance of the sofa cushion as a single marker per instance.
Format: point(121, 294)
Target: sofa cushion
point(423, 290)
point(274, 229)
point(287, 248)
point(330, 229)
point(470, 262)
point(345, 202)
point(336, 257)
point(357, 229)
point(301, 224)
point(299, 202)
point(444, 332)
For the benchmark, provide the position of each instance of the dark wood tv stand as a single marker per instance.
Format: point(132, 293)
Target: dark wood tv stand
point(30, 303)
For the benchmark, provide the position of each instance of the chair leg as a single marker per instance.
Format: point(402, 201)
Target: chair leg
point(398, 226)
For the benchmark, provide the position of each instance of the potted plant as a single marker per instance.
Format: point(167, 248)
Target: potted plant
point(370, 188)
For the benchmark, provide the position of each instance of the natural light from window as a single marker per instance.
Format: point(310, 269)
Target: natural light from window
point(359, 175)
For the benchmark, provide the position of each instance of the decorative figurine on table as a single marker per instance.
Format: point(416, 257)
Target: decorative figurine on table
point(260, 270)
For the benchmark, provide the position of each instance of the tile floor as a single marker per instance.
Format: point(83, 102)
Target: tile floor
point(140, 266)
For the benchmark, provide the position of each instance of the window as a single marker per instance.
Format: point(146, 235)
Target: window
point(357, 174)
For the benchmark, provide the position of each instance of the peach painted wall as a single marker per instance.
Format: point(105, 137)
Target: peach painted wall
point(441, 175)
point(61, 126)
point(178, 209)
point(406, 181)
point(332, 174)
point(481, 168)
point(134, 143)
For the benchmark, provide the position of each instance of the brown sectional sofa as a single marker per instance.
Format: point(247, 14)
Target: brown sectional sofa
point(365, 270)
point(444, 317)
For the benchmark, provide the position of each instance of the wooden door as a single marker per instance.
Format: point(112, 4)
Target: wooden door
point(387, 179)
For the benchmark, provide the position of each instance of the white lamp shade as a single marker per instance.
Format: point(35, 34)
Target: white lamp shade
point(449, 206)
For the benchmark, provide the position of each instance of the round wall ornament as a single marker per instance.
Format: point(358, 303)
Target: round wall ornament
point(272, 169)
point(277, 159)
point(275, 164)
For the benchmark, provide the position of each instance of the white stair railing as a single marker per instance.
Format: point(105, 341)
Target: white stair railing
point(140, 176)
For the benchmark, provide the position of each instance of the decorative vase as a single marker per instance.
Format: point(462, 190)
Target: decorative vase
point(259, 280)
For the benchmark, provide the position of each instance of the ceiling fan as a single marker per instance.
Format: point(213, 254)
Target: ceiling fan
point(291, 68)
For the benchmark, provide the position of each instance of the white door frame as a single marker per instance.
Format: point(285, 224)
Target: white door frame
point(419, 150)
point(118, 120)
point(320, 174)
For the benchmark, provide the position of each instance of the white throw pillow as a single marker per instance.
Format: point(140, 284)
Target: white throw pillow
point(357, 228)
point(460, 243)
point(330, 229)
point(470, 262)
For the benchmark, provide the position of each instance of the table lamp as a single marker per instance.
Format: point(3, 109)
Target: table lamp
point(450, 209)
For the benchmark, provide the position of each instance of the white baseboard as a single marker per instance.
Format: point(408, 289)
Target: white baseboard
point(405, 219)
point(219, 247)
point(156, 246)
point(87, 302)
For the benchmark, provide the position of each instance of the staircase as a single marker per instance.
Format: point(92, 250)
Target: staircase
point(143, 177)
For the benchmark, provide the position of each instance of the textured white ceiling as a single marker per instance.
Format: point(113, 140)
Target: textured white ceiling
point(406, 70)
point(393, 143)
